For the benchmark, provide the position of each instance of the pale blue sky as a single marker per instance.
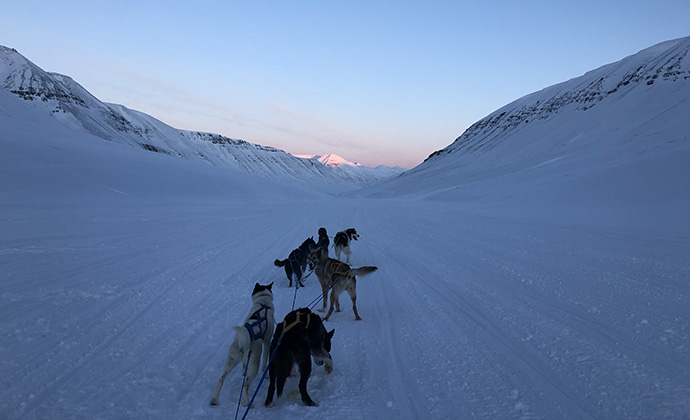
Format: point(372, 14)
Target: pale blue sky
point(379, 82)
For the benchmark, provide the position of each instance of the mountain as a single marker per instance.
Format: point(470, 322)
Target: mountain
point(618, 137)
point(346, 168)
point(330, 160)
point(69, 103)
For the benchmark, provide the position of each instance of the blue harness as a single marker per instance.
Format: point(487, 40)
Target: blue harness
point(257, 324)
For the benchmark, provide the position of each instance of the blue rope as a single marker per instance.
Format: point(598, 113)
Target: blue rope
point(297, 287)
point(249, 407)
point(316, 301)
point(295, 297)
point(244, 378)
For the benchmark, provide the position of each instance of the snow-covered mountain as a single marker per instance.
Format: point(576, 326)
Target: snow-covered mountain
point(68, 102)
point(610, 137)
point(330, 160)
point(346, 168)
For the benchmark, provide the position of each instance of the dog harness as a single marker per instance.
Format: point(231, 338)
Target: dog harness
point(298, 320)
point(257, 324)
point(341, 269)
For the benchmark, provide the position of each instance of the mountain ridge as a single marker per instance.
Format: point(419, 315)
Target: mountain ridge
point(68, 102)
point(661, 62)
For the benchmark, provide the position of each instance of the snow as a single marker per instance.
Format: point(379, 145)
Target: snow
point(514, 294)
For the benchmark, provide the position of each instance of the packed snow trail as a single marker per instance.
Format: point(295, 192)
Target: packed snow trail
point(126, 312)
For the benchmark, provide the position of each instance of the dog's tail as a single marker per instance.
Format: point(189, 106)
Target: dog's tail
point(279, 263)
point(363, 271)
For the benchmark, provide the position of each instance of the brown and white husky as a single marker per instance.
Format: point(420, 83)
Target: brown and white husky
point(342, 278)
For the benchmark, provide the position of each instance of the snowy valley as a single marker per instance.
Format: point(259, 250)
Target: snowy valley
point(536, 268)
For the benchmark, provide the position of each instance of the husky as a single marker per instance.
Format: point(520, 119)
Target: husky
point(342, 242)
point(323, 241)
point(249, 340)
point(296, 262)
point(299, 337)
point(339, 276)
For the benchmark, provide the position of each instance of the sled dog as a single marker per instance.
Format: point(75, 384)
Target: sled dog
point(296, 262)
point(250, 338)
point(303, 337)
point(323, 241)
point(342, 242)
point(333, 272)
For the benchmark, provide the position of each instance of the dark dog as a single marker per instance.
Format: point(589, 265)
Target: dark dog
point(296, 262)
point(323, 241)
point(303, 337)
point(342, 242)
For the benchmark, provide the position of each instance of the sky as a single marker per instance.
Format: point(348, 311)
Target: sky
point(376, 82)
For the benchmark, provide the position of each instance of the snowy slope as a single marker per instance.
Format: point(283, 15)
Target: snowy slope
point(616, 139)
point(122, 272)
point(66, 101)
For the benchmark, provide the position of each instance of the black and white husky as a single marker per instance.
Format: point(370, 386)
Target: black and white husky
point(298, 338)
point(342, 242)
point(251, 337)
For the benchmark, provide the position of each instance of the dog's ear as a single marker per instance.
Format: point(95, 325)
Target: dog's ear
point(330, 333)
point(269, 287)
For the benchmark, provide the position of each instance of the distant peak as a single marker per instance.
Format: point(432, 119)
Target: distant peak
point(335, 160)
point(330, 160)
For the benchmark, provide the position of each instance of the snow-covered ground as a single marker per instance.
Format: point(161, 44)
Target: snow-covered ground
point(122, 272)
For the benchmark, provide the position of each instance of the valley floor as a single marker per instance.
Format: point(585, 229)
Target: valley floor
point(118, 312)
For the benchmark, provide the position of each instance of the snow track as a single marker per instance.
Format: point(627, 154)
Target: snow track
point(128, 313)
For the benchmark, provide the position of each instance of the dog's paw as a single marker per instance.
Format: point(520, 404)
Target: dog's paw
point(270, 405)
point(321, 310)
point(214, 401)
point(358, 319)
point(311, 403)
